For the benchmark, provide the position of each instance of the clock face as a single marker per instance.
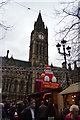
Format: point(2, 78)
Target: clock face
point(41, 36)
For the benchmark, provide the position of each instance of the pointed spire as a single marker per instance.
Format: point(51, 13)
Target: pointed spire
point(39, 17)
point(39, 24)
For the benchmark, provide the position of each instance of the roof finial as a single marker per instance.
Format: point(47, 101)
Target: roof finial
point(39, 11)
point(7, 53)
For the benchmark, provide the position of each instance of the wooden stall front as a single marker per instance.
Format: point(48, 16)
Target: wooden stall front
point(71, 95)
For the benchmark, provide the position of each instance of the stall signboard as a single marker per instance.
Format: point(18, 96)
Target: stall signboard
point(49, 80)
point(50, 85)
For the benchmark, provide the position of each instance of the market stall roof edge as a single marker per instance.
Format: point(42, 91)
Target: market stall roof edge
point(73, 88)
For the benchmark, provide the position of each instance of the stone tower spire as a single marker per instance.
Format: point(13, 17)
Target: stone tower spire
point(38, 54)
point(39, 24)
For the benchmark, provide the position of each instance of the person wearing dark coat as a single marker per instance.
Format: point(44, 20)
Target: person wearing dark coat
point(51, 110)
point(42, 113)
point(12, 112)
point(2, 112)
point(29, 113)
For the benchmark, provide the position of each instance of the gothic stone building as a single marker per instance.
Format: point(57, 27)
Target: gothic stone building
point(18, 77)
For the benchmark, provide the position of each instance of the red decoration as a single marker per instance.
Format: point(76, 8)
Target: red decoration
point(49, 80)
point(48, 75)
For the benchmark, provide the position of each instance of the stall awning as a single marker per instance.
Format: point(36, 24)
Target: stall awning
point(73, 88)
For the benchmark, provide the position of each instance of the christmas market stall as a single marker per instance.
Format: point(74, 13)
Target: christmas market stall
point(71, 95)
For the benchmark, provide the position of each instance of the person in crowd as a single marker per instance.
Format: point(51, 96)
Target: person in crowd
point(38, 103)
point(2, 112)
point(51, 110)
point(16, 117)
point(42, 113)
point(29, 113)
point(74, 113)
point(7, 107)
point(19, 107)
point(25, 103)
point(63, 113)
point(46, 102)
point(12, 111)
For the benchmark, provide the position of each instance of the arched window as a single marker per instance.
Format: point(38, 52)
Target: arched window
point(37, 76)
point(6, 85)
point(3, 85)
point(10, 83)
point(37, 50)
point(43, 52)
point(27, 87)
point(40, 50)
point(21, 86)
point(15, 85)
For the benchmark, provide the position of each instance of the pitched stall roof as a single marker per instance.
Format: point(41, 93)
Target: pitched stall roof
point(74, 88)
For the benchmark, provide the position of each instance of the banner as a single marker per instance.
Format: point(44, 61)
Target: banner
point(50, 85)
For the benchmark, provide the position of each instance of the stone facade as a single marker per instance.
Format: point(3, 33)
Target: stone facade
point(18, 77)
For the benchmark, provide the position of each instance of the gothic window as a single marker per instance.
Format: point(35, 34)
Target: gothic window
point(6, 85)
point(31, 84)
point(40, 51)
point(6, 72)
point(37, 75)
point(37, 50)
point(10, 83)
point(27, 84)
point(29, 77)
point(43, 52)
point(3, 85)
point(15, 85)
point(21, 86)
point(31, 50)
point(27, 87)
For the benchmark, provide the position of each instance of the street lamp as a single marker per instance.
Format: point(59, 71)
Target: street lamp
point(63, 43)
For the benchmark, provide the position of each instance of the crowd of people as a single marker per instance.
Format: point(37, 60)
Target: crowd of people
point(35, 110)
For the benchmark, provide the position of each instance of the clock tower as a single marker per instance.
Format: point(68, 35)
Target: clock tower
point(38, 54)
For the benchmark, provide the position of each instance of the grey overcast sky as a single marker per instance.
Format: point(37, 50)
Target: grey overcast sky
point(16, 13)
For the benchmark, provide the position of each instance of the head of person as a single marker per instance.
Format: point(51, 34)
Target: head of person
point(42, 102)
point(32, 104)
point(74, 109)
point(50, 100)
